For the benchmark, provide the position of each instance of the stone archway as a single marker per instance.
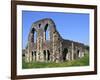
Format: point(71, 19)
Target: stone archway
point(48, 55)
point(32, 55)
point(47, 31)
point(65, 51)
point(78, 53)
point(44, 52)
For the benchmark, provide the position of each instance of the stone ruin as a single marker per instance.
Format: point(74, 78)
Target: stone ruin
point(46, 44)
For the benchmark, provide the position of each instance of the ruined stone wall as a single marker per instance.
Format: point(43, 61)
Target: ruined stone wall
point(55, 48)
point(75, 50)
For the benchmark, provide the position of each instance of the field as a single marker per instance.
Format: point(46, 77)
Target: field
point(79, 62)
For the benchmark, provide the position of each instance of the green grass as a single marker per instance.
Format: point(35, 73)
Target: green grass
point(79, 62)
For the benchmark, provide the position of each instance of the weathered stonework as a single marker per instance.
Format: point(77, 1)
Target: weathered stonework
point(55, 48)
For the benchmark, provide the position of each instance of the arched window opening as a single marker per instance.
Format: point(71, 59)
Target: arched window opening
point(44, 54)
point(34, 36)
point(65, 51)
point(48, 52)
point(39, 25)
point(35, 55)
point(32, 55)
point(32, 31)
point(47, 36)
point(78, 53)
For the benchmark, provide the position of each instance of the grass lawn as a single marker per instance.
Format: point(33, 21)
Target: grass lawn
point(79, 62)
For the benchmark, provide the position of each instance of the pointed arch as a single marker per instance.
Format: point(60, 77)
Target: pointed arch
point(47, 32)
point(33, 31)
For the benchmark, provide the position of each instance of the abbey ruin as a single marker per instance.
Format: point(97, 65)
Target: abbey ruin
point(46, 44)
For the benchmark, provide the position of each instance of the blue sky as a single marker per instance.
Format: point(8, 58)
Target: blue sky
point(71, 26)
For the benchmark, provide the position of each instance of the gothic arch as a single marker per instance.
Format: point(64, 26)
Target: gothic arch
point(44, 23)
point(47, 32)
point(65, 52)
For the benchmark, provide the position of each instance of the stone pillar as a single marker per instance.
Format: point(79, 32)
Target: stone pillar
point(26, 57)
point(33, 56)
point(79, 53)
point(83, 52)
point(30, 46)
point(37, 54)
point(61, 52)
point(29, 52)
point(41, 58)
point(72, 51)
point(44, 34)
point(68, 55)
point(41, 48)
point(46, 55)
point(30, 56)
point(53, 49)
